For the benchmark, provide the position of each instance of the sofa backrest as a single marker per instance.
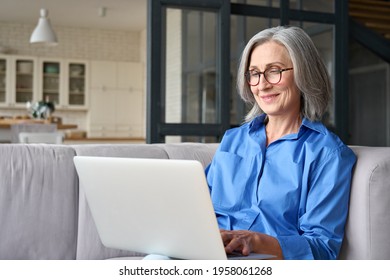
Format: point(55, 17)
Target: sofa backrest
point(38, 202)
point(44, 216)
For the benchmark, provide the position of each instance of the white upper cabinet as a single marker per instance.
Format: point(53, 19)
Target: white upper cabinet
point(77, 84)
point(18, 81)
point(31, 79)
point(103, 74)
point(51, 80)
point(4, 79)
point(64, 82)
point(116, 75)
point(129, 76)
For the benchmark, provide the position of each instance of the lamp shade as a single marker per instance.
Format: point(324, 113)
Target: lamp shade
point(43, 32)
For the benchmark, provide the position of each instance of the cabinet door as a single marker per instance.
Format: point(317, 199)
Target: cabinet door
point(4, 79)
point(102, 115)
point(129, 75)
point(77, 84)
point(103, 74)
point(25, 86)
point(129, 113)
point(118, 75)
point(123, 107)
point(102, 107)
point(137, 109)
point(50, 80)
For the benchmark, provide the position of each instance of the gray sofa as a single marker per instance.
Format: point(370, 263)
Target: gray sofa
point(44, 215)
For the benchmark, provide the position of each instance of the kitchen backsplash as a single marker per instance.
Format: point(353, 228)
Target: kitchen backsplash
point(76, 43)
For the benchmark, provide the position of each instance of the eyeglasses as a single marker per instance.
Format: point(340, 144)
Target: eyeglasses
point(271, 75)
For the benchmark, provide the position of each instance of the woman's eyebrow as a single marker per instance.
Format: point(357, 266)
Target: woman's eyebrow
point(268, 65)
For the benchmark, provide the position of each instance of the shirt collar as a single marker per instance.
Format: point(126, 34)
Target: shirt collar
point(259, 121)
point(316, 126)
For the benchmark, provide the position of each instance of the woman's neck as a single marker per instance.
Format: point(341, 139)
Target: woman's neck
point(277, 127)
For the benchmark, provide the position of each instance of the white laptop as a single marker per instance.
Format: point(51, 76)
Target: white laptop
point(152, 206)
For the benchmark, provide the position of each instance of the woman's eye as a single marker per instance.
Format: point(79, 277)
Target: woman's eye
point(273, 71)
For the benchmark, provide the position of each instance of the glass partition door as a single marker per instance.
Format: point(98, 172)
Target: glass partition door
point(188, 70)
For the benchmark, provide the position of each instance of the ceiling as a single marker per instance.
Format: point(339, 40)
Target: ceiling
point(127, 15)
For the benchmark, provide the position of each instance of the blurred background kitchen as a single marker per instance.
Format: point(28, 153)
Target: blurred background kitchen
point(94, 76)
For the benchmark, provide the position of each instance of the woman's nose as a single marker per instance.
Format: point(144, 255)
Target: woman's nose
point(263, 83)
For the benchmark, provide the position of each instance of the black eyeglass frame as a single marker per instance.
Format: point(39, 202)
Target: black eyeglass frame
point(258, 73)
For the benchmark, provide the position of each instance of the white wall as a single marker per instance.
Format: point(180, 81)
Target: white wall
point(174, 67)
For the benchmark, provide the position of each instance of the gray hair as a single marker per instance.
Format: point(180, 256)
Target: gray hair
point(310, 73)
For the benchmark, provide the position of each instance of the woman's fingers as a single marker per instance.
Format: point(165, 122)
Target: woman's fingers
point(236, 241)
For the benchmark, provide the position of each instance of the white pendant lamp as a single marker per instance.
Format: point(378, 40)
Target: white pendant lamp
point(43, 32)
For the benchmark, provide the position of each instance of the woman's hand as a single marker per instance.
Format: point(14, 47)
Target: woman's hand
point(246, 242)
point(238, 241)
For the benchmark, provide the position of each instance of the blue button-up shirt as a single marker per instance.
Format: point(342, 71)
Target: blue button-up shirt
point(296, 189)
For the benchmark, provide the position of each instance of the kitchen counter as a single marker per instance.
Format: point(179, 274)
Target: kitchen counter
point(6, 123)
point(6, 131)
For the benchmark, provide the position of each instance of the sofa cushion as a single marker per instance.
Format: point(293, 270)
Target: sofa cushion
point(195, 151)
point(38, 202)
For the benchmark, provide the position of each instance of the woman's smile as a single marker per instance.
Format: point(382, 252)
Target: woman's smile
point(269, 98)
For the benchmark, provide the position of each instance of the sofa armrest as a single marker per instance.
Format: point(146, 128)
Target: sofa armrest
point(368, 224)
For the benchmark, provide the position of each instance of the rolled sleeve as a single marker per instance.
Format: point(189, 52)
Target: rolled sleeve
point(295, 247)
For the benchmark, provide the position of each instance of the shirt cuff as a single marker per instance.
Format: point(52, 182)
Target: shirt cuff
point(295, 248)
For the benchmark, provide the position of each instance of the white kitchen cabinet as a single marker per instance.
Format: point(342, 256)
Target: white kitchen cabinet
point(116, 75)
point(116, 100)
point(115, 113)
point(4, 79)
point(129, 76)
point(51, 80)
point(77, 84)
point(64, 82)
point(31, 79)
point(129, 113)
point(103, 74)
point(18, 81)
point(102, 107)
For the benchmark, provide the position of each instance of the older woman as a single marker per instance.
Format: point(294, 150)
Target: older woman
point(280, 182)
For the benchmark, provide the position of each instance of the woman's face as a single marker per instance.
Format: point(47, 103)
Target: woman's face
point(276, 100)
